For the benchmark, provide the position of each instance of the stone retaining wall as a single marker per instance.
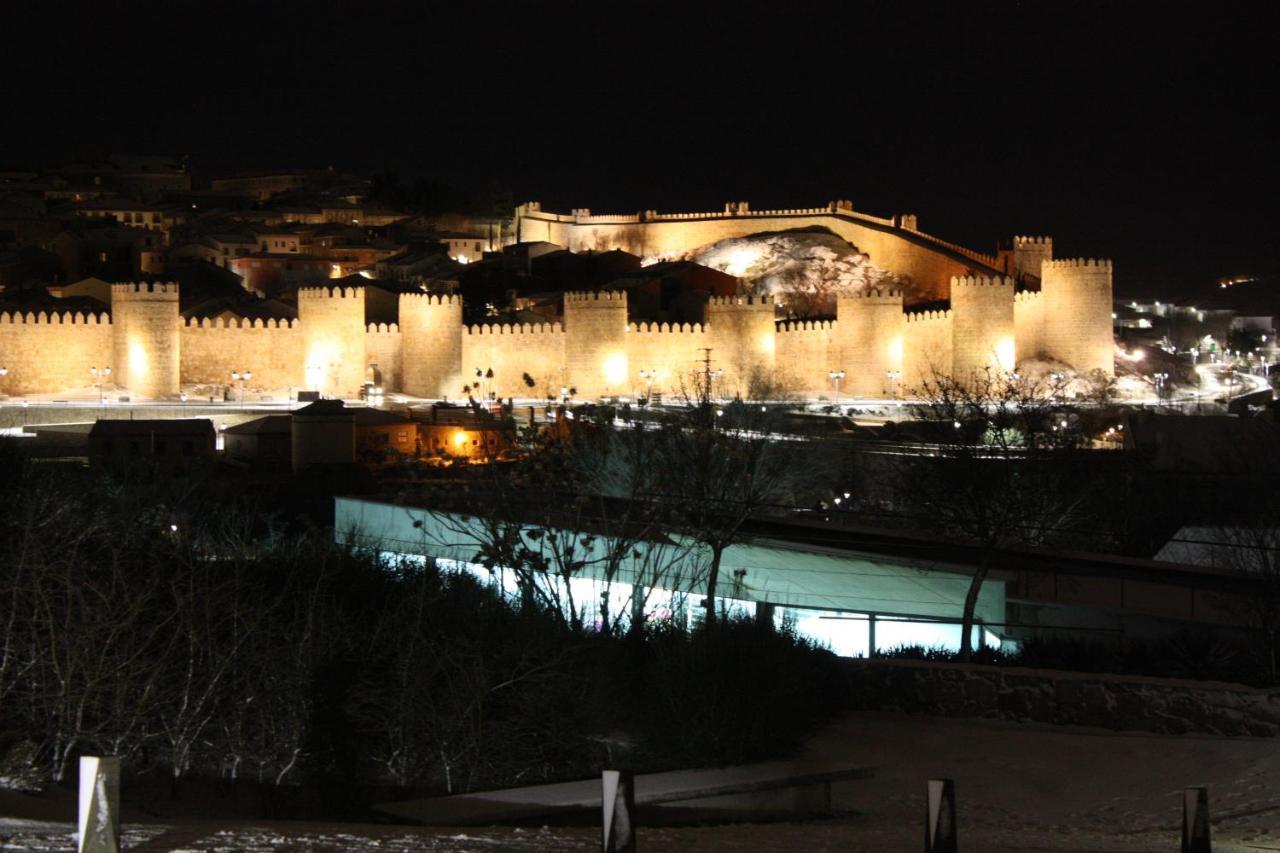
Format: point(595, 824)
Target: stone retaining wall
point(1134, 703)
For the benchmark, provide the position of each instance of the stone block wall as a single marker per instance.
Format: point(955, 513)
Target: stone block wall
point(48, 353)
point(1122, 703)
point(674, 352)
point(271, 350)
point(510, 352)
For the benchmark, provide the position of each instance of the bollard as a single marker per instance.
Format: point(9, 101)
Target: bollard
point(940, 831)
point(99, 804)
point(1195, 821)
point(618, 800)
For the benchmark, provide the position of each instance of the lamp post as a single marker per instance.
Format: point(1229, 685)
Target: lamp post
point(1160, 378)
point(835, 376)
point(648, 376)
point(99, 377)
point(241, 376)
point(4, 371)
point(893, 376)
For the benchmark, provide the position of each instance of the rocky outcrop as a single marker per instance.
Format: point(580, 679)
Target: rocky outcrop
point(1133, 703)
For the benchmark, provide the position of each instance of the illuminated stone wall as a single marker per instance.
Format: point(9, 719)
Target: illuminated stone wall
point(383, 346)
point(1029, 254)
point(894, 245)
point(511, 352)
point(210, 349)
point(673, 352)
point(803, 356)
point(868, 342)
point(49, 353)
point(431, 345)
point(145, 323)
point(927, 347)
point(982, 325)
point(595, 347)
point(742, 336)
point(331, 320)
point(1077, 313)
point(1028, 323)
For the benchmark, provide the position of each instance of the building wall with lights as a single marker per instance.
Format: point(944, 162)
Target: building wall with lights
point(882, 347)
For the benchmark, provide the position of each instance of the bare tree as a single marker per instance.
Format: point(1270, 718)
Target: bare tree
point(995, 467)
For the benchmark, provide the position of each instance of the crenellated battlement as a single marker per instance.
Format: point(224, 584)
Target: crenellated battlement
point(167, 289)
point(1021, 240)
point(927, 316)
point(1078, 263)
point(1027, 296)
point(491, 329)
point(792, 326)
point(326, 292)
point(594, 296)
point(883, 294)
point(755, 302)
point(63, 318)
point(236, 323)
point(981, 281)
point(383, 329)
point(433, 298)
point(667, 328)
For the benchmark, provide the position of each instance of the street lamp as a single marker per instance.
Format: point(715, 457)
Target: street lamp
point(893, 376)
point(241, 376)
point(99, 377)
point(648, 376)
point(835, 376)
point(1160, 378)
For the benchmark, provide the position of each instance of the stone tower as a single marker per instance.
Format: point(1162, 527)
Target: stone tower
point(595, 346)
point(741, 333)
point(1077, 314)
point(331, 321)
point(431, 344)
point(145, 323)
point(867, 342)
point(1029, 253)
point(981, 325)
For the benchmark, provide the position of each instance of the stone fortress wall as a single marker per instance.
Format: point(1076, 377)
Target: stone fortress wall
point(883, 346)
point(894, 244)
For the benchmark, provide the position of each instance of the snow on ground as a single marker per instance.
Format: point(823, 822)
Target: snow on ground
point(1019, 788)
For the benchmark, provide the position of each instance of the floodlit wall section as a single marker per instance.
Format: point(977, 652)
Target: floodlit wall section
point(1077, 313)
point(891, 244)
point(511, 352)
point(49, 353)
point(211, 349)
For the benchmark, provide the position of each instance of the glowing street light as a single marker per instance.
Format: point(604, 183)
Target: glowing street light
point(241, 376)
point(835, 376)
point(648, 376)
point(99, 377)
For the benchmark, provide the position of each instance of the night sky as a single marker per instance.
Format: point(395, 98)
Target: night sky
point(1133, 134)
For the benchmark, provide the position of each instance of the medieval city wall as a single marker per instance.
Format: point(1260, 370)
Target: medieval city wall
point(383, 347)
point(802, 357)
point(331, 320)
point(929, 262)
point(48, 353)
point(211, 349)
point(1077, 311)
point(511, 351)
point(1028, 323)
point(927, 347)
point(672, 352)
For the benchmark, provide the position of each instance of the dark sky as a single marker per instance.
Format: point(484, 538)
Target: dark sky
point(1137, 134)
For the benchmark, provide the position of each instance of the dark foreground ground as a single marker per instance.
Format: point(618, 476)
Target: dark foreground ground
point(1020, 788)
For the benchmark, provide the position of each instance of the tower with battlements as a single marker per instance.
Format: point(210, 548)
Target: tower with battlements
point(431, 344)
point(1077, 314)
point(145, 324)
point(741, 333)
point(982, 326)
point(595, 344)
point(868, 342)
point(332, 322)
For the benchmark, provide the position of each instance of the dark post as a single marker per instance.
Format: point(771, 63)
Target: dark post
point(1195, 821)
point(940, 831)
point(618, 801)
